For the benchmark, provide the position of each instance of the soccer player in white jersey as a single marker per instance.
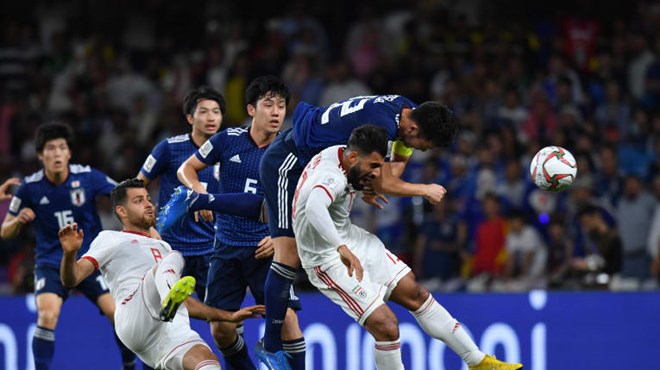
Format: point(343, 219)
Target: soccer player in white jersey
point(329, 245)
point(144, 277)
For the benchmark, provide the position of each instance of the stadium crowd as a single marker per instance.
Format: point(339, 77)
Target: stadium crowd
point(517, 76)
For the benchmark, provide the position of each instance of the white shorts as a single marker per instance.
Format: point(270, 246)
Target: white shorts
point(382, 272)
point(159, 344)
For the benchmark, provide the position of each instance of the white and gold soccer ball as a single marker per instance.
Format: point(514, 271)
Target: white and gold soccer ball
point(553, 169)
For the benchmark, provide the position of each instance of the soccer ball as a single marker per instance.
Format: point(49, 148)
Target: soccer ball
point(553, 169)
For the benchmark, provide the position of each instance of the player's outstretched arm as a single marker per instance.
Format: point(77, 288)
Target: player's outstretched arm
point(72, 272)
point(4, 188)
point(391, 183)
point(202, 311)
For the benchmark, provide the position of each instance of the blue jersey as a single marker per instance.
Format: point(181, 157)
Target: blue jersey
point(238, 156)
point(316, 128)
point(191, 238)
point(57, 205)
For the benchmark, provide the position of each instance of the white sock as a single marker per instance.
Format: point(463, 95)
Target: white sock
point(388, 355)
point(439, 324)
point(208, 365)
point(168, 272)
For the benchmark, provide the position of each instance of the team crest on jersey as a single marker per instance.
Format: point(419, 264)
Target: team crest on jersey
point(75, 184)
point(359, 291)
point(78, 197)
point(206, 149)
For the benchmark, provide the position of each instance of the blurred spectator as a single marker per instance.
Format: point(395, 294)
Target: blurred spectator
point(440, 243)
point(603, 256)
point(526, 255)
point(488, 258)
point(560, 254)
point(634, 214)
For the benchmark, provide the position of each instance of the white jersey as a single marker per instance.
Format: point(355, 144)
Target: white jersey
point(123, 258)
point(323, 172)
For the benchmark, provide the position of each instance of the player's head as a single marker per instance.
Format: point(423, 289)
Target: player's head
point(132, 204)
point(204, 108)
point(432, 125)
point(53, 142)
point(267, 98)
point(365, 154)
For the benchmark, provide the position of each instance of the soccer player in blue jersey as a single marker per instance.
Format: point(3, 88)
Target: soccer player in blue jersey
point(244, 250)
point(203, 108)
point(59, 194)
point(408, 127)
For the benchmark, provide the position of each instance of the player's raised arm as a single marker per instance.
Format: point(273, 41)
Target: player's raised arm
point(4, 188)
point(188, 174)
point(72, 272)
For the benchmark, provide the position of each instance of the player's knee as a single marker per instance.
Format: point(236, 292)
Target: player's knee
point(291, 328)
point(47, 318)
point(224, 334)
point(383, 324)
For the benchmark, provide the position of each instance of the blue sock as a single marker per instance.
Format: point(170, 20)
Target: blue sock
point(276, 296)
point(43, 348)
point(127, 356)
point(236, 356)
point(296, 349)
point(239, 204)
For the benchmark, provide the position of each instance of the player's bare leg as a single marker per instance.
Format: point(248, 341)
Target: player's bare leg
point(200, 357)
point(384, 327)
point(438, 323)
point(229, 341)
point(49, 306)
point(293, 341)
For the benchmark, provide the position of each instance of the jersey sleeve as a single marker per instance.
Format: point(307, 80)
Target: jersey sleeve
point(99, 251)
point(211, 152)
point(102, 182)
point(332, 183)
point(20, 200)
point(157, 161)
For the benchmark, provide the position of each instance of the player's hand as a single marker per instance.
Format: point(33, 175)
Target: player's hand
point(264, 248)
point(25, 216)
point(434, 193)
point(370, 196)
point(4, 188)
point(71, 238)
point(250, 312)
point(204, 214)
point(352, 263)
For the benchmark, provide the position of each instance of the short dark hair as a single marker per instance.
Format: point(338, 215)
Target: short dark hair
point(589, 210)
point(202, 93)
point(436, 123)
point(51, 131)
point(367, 139)
point(118, 194)
point(262, 86)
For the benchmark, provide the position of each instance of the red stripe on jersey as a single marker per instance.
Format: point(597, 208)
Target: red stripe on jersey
point(352, 303)
point(326, 191)
point(92, 260)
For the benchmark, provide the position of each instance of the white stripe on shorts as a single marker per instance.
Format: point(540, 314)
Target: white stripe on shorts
point(282, 194)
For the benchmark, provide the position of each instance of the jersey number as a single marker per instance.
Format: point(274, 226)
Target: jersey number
point(250, 186)
point(347, 107)
point(64, 218)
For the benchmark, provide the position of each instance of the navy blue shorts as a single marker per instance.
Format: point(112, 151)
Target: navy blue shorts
point(232, 271)
point(279, 171)
point(198, 267)
point(47, 280)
